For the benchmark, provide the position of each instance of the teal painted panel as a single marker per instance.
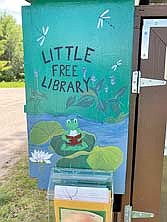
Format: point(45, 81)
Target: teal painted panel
point(78, 68)
point(76, 59)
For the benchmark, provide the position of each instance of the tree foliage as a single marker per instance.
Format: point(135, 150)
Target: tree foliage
point(11, 49)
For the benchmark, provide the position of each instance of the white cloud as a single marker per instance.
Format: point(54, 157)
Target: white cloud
point(13, 7)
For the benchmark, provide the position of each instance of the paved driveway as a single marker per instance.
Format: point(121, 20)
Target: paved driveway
point(12, 127)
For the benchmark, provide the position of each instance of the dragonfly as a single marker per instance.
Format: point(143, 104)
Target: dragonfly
point(102, 17)
point(118, 63)
point(44, 33)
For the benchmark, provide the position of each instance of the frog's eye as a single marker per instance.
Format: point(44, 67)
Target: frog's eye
point(68, 121)
point(75, 121)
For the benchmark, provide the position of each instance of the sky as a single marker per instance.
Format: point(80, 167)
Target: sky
point(13, 7)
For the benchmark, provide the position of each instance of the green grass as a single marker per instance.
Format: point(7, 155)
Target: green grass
point(12, 84)
point(163, 214)
point(20, 200)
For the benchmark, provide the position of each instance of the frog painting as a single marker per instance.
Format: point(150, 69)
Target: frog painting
point(73, 137)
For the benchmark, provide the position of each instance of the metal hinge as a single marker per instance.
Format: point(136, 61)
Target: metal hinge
point(138, 82)
point(129, 214)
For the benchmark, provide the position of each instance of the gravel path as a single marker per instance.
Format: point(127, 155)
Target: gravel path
point(12, 128)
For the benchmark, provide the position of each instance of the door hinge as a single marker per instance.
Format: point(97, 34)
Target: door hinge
point(138, 82)
point(129, 214)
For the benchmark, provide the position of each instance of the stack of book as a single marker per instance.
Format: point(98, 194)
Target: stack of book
point(82, 204)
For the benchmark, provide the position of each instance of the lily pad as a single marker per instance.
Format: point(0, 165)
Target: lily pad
point(77, 162)
point(45, 130)
point(107, 158)
point(57, 142)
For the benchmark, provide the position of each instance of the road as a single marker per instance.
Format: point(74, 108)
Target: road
point(12, 128)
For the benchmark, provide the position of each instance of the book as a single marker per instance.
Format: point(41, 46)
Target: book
point(82, 204)
point(89, 194)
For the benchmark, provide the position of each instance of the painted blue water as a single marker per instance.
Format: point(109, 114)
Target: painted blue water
point(106, 134)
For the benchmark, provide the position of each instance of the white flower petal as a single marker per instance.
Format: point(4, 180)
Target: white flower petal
point(33, 155)
point(32, 160)
point(48, 156)
point(40, 157)
point(47, 161)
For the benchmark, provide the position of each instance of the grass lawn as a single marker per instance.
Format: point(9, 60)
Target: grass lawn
point(12, 84)
point(163, 217)
point(20, 200)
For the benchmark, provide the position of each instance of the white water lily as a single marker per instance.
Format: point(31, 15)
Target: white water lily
point(40, 157)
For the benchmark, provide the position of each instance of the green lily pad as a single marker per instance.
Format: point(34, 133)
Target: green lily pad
point(107, 158)
point(45, 130)
point(77, 162)
point(57, 142)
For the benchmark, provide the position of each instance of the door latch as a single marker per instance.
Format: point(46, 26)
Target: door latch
point(138, 82)
point(129, 214)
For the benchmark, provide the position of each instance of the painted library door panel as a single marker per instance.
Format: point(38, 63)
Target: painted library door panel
point(78, 80)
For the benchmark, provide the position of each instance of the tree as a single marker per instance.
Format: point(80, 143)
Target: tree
point(11, 49)
point(3, 63)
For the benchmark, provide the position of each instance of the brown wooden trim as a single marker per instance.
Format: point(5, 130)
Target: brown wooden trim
point(151, 10)
point(116, 217)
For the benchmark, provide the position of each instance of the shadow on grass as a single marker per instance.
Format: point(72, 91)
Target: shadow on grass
point(20, 200)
